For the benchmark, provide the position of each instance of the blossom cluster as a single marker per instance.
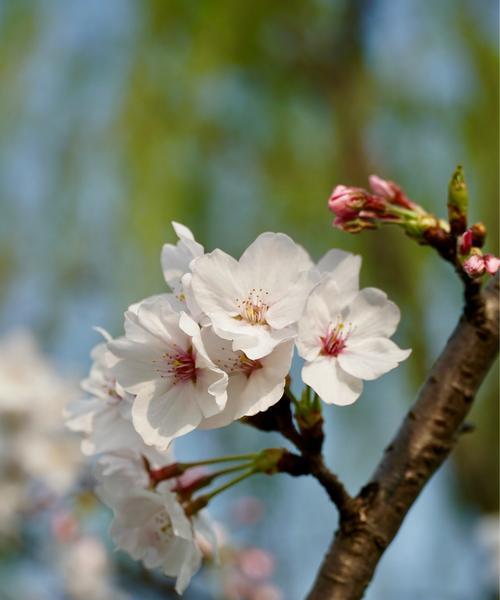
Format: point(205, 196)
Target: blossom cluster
point(216, 348)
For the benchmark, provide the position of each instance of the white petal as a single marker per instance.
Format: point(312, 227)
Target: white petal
point(330, 382)
point(264, 342)
point(313, 324)
point(216, 284)
point(188, 325)
point(371, 358)
point(210, 391)
point(175, 259)
point(103, 332)
point(182, 231)
point(190, 564)
point(343, 266)
point(136, 364)
point(159, 418)
point(372, 314)
point(273, 262)
point(289, 308)
point(161, 320)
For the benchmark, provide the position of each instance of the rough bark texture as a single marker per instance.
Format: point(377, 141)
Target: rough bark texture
point(425, 438)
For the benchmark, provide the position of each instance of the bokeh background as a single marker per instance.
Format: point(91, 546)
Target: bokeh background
point(117, 117)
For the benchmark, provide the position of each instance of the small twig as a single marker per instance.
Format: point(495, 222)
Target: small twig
point(308, 442)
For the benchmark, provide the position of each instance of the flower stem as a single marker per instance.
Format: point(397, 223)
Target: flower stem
point(204, 480)
point(221, 459)
point(229, 484)
point(234, 469)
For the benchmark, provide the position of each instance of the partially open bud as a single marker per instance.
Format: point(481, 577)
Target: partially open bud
point(356, 209)
point(390, 191)
point(478, 264)
point(346, 202)
point(474, 266)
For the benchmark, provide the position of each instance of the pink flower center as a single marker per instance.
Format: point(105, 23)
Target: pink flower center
point(181, 366)
point(334, 342)
point(238, 363)
point(247, 365)
point(254, 307)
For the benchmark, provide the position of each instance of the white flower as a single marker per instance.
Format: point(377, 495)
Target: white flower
point(256, 301)
point(344, 339)
point(163, 362)
point(175, 259)
point(253, 385)
point(106, 418)
point(153, 527)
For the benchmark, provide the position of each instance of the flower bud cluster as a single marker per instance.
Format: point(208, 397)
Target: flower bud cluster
point(356, 209)
point(475, 263)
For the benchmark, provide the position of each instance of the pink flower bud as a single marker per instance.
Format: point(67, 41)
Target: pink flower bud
point(465, 242)
point(390, 191)
point(381, 187)
point(356, 209)
point(491, 263)
point(345, 202)
point(474, 266)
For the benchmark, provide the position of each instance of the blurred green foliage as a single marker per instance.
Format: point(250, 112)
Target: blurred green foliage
point(240, 117)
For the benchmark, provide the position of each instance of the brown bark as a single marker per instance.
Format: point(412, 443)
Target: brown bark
point(424, 440)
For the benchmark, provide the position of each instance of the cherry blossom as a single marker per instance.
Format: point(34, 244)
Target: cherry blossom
point(162, 361)
point(253, 384)
point(151, 524)
point(345, 339)
point(105, 418)
point(153, 527)
point(254, 302)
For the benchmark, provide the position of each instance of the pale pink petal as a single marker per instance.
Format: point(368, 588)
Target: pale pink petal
point(371, 314)
point(370, 358)
point(216, 283)
point(332, 384)
point(343, 267)
point(159, 418)
point(289, 308)
point(272, 262)
point(210, 391)
point(176, 258)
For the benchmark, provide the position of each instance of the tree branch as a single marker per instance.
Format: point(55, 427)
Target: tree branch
point(425, 438)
